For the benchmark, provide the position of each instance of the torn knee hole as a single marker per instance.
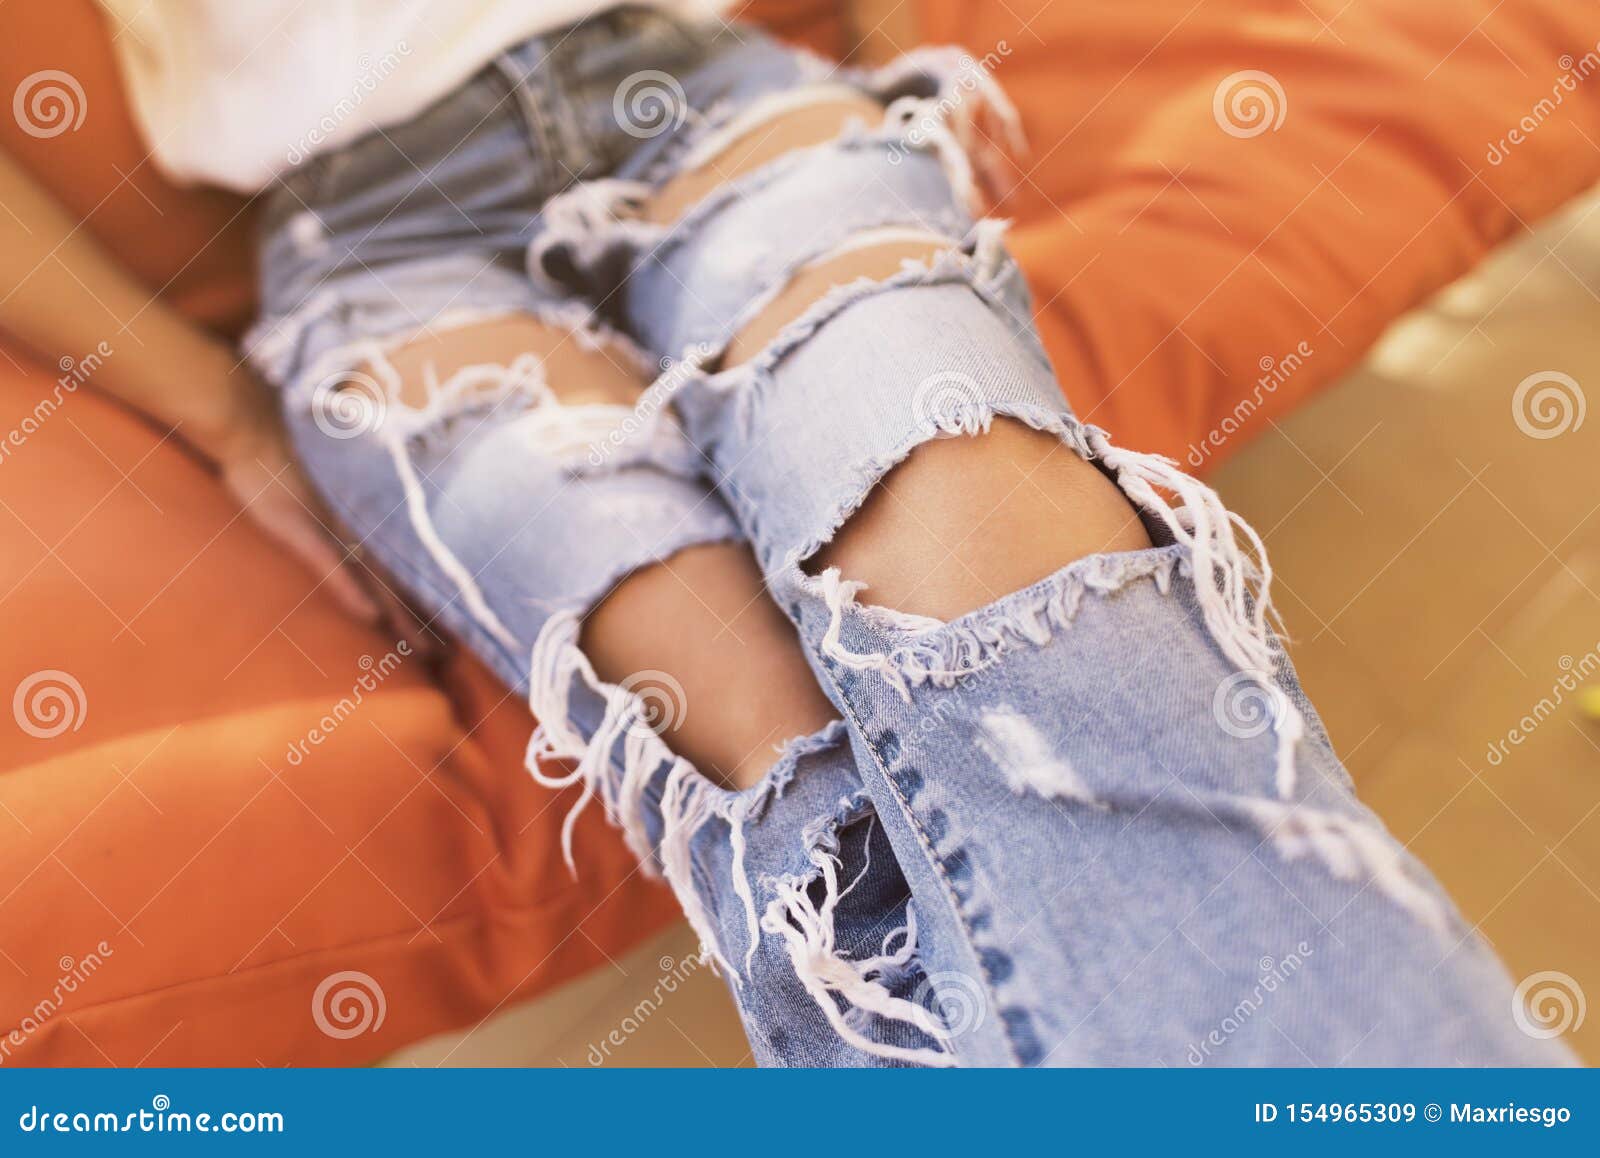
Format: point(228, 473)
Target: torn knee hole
point(963, 520)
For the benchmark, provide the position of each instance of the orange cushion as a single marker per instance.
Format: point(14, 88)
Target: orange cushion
point(225, 882)
point(1179, 267)
point(194, 245)
point(188, 841)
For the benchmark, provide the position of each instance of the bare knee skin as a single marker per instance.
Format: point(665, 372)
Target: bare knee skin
point(705, 616)
point(702, 616)
point(964, 521)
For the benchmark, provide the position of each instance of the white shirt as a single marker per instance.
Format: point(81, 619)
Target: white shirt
point(232, 92)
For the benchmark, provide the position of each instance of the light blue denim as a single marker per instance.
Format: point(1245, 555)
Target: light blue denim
point(1095, 822)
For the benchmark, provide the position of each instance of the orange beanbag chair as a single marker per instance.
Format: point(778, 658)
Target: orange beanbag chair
point(1223, 206)
point(1226, 203)
point(235, 828)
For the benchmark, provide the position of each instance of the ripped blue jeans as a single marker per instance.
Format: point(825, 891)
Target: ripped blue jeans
point(1095, 822)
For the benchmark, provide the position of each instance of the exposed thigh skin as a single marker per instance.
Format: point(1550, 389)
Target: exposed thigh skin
point(578, 373)
point(807, 126)
point(756, 749)
point(702, 616)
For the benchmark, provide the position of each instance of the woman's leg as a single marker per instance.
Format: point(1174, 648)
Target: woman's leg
point(667, 684)
point(701, 618)
point(1126, 834)
point(488, 442)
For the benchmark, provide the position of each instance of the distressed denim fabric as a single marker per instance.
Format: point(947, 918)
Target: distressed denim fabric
point(1095, 822)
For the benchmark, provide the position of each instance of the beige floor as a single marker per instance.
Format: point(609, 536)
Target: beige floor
point(1439, 571)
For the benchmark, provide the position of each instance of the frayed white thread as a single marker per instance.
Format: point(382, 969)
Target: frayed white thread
point(895, 968)
point(284, 337)
point(808, 933)
point(551, 428)
point(603, 437)
point(1024, 756)
point(1350, 849)
point(839, 593)
point(557, 663)
point(922, 117)
point(587, 214)
point(688, 799)
point(975, 642)
point(525, 373)
point(741, 883)
point(892, 969)
point(736, 810)
point(1232, 588)
point(989, 256)
point(308, 234)
point(947, 66)
point(687, 802)
point(272, 345)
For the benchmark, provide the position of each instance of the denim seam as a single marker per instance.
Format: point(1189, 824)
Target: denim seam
point(926, 842)
point(526, 103)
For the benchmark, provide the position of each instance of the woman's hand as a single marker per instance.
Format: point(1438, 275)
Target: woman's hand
point(258, 468)
point(69, 295)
